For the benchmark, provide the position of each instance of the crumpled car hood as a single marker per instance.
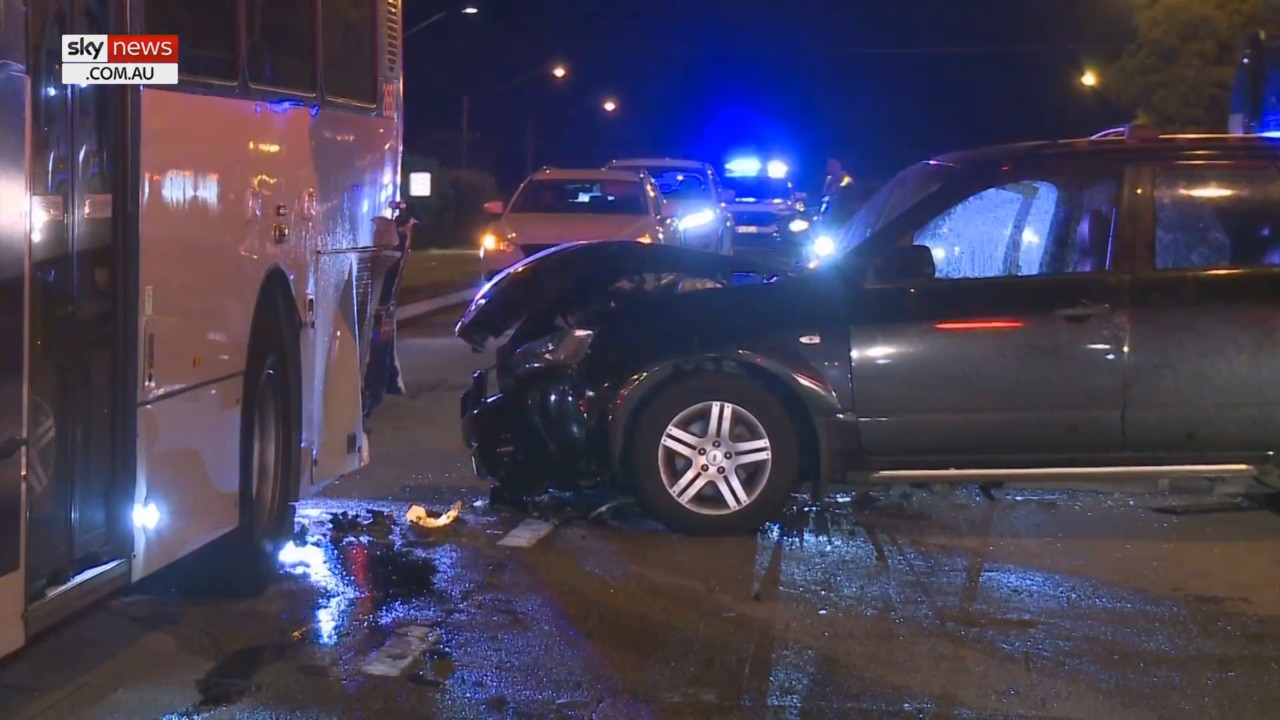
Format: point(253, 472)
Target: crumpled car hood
point(581, 269)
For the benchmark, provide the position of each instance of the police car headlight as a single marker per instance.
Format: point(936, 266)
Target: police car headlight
point(824, 246)
point(798, 225)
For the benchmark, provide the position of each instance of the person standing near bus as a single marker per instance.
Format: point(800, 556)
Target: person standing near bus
point(836, 178)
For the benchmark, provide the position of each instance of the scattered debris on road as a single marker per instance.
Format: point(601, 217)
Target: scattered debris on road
point(419, 517)
point(405, 646)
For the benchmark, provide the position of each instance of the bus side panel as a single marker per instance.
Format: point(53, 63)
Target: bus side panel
point(189, 467)
point(14, 269)
point(355, 155)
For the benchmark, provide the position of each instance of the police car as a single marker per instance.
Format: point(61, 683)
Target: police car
point(769, 215)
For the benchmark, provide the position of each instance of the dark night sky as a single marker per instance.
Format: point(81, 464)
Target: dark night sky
point(798, 79)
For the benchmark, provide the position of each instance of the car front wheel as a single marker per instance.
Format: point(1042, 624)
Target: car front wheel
point(714, 454)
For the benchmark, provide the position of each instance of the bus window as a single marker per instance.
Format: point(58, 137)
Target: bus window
point(206, 31)
point(282, 44)
point(349, 68)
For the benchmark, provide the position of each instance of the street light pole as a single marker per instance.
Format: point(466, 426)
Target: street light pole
point(421, 25)
point(466, 130)
point(528, 145)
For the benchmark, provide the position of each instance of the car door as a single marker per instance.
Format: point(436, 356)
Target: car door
point(1013, 352)
point(1203, 374)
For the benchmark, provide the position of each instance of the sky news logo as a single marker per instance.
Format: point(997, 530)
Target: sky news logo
point(120, 59)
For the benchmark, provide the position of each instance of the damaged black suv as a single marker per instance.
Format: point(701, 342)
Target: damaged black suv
point(1100, 308)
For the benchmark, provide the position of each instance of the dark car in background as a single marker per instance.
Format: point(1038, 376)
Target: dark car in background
point(1096, 308)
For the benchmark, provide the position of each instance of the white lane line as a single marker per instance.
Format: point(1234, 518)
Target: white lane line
point(527, 533)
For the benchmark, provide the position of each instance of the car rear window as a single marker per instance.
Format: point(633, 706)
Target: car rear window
point(592, 197)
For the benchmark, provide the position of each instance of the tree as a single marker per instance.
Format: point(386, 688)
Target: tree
point(1178, 71)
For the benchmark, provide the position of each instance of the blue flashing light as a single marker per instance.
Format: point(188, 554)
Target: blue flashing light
point(777, 169)
point(743, 167)
point(1272, 134)
point(283, 106)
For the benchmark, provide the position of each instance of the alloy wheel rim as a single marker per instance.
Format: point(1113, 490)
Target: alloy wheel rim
point(715, 457)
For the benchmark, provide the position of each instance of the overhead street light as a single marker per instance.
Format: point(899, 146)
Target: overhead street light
point(1089, 79)
point(468, 9)
point(610, 106)
point(559, 71)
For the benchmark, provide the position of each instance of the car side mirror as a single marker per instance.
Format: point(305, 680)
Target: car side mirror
point(727, 195)
point(906, 263)
point(493, 207)
point(667, 211)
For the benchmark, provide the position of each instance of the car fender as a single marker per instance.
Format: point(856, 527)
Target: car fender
point(831, 432)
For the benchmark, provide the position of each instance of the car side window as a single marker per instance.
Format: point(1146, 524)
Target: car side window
point(1217, 217)
point(1029, 227)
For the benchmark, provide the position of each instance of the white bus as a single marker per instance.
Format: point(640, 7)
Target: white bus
point(184, 282)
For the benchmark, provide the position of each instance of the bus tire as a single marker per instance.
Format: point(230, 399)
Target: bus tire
point(270, 443)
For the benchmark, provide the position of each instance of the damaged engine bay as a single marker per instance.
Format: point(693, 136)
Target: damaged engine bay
point(547, 414)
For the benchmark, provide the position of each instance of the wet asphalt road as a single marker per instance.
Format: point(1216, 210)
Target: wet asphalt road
point(1040, 604)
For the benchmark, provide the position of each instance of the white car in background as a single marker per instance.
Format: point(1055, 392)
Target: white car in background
point(698, 194)
point(557, 206)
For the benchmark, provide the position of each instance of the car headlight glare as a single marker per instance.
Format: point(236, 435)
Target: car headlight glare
point(798, 225)
point(563, 348)
point(492, 243)
point(824, 246)
point(697, 219)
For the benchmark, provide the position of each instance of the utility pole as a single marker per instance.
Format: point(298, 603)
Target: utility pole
point(466, 128)
point(528, 145)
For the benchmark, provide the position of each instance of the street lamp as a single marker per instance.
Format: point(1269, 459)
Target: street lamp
point(466, 10)
point(558, 71)
point(610, 106)
point(1089, 79)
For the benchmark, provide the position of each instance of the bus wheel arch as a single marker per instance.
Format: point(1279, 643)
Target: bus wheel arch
point(270, 427)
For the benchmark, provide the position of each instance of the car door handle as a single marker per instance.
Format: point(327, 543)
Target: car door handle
point(1082, 312)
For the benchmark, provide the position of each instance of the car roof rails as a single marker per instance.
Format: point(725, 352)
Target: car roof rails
point(1135, 132)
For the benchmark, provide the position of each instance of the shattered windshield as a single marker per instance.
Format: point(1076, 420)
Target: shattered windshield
point(903, 191)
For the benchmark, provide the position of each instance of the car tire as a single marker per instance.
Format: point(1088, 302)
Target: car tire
point(695, 498)
point(270, 443)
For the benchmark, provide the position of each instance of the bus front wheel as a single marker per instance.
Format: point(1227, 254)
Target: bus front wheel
point(269, 444)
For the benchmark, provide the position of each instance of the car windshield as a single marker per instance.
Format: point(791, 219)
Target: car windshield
point(759, 189)
point(680, 183)
point(903, 191)
point(594, 197)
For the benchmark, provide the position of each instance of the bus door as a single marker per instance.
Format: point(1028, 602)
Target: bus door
point(79, 491)
point(13, 304)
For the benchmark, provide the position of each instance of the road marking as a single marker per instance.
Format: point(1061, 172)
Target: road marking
point(400, 650)
point(527, 533)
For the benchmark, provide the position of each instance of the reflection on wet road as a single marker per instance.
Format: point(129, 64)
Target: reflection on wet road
point(1041, 604)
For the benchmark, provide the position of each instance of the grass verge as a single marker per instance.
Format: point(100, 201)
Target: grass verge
point(432, 273)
